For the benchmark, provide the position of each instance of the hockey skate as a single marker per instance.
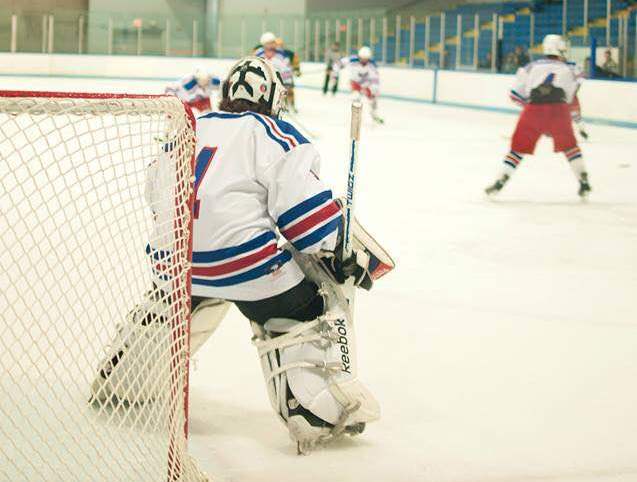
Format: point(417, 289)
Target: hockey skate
point(497, 186)
point(309, 431)
point(584, 186)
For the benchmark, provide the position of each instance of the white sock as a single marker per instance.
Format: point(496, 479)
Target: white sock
point(511, 162)
point(576, 161)
point(578, 167)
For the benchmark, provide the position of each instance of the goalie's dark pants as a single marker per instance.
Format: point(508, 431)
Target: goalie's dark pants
point(302, 302)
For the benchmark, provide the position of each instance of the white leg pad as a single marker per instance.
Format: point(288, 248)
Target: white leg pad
point(133, 364)
point(131, 367)
point(206, 318)
point(317, 361)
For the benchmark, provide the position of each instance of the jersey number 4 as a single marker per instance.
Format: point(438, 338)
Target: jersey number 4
point(204, 161)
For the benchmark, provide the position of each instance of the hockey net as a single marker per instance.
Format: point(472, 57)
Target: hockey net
point(95, 195)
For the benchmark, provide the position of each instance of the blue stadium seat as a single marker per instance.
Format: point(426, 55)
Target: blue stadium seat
point(548, 19)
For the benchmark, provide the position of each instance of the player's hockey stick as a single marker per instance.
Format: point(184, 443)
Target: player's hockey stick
point(350, 200)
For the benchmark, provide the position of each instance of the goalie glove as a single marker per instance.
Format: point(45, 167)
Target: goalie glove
point(369, 261)
point(356, 266)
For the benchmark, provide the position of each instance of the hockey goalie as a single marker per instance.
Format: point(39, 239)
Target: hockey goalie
point(267, 236)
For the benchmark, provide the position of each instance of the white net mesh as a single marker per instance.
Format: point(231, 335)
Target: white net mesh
point(94, 250)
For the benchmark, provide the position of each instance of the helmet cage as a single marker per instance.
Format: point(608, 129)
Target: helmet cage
point(270, 90)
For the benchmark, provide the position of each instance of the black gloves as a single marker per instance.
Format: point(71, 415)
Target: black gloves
point(341, 270)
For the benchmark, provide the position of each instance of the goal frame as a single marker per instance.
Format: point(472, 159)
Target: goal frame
point(174, 468)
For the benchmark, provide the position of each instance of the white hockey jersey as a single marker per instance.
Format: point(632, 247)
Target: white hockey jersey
point(256, 182)
point(366, 75)
point(546, 71)
point(280, 62)
point(188, 90)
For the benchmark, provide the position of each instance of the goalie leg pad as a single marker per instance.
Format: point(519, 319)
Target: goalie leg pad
point(311, 376)
point(133, 364)
point(207, 315)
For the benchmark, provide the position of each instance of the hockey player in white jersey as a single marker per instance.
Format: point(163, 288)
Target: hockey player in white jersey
point(256, 185)
point(196, 89)
point(364, 78)
point(546, 89)
point(575, 105)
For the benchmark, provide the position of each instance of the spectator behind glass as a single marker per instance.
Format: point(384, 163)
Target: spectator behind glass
point(486, 62)
point(609, 65)
point(510, 64)
point(522, 56)
point(609, 69)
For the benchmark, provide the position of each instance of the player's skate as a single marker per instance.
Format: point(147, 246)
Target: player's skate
point(584, 186)
point(497, 186)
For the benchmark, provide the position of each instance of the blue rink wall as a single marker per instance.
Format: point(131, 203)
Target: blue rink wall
point(603, 102)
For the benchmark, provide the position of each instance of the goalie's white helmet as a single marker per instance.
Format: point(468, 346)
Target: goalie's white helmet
point(554, 45)
point(268, 38)
point(256, 80)
point(365, 53)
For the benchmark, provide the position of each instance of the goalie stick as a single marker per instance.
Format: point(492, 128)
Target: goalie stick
point(350, 200)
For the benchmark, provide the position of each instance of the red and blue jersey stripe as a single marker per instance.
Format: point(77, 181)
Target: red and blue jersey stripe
point(310, 221)
point(281, 132)
point(238, 264)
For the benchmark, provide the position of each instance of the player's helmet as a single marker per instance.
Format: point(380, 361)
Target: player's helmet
point(365, 53)
point(268, 38)
point(257, 81)
point(202, 76)
point(554, 45)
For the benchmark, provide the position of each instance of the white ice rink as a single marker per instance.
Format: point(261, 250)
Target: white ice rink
point(504, 346)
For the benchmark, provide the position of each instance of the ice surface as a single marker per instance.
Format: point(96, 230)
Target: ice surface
point(504, 346)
